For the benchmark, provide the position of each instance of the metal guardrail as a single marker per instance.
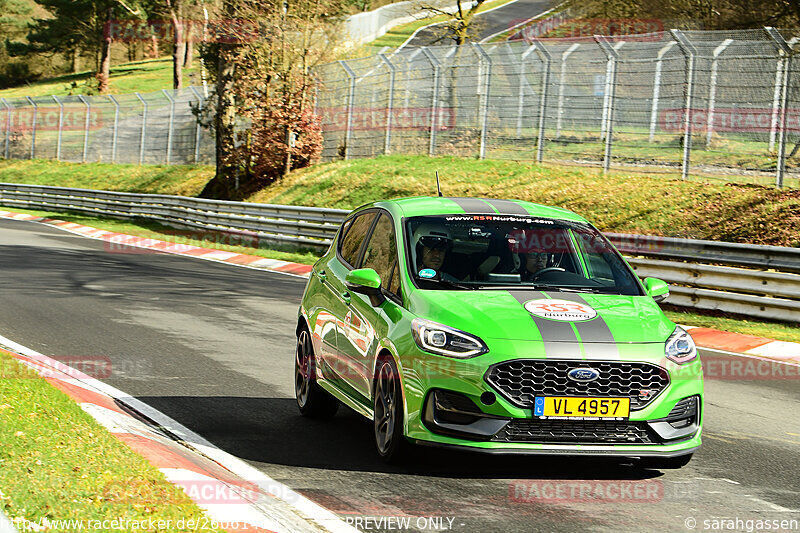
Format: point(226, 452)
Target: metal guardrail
point(759, 281)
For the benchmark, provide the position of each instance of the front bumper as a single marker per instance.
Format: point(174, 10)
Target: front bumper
point(501, 427)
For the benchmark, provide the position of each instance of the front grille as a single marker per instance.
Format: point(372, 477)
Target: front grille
point(523, 379)
point(574, 432)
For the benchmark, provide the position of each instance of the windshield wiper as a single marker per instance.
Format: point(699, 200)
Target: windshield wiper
point(452, 284)
point(597, 290)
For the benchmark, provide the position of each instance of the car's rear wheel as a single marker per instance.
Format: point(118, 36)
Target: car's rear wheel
point(388, 414)
point(313, 400)
point(665, 463)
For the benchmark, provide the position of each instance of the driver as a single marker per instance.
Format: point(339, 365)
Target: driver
point(432, 244)
point(535, 261)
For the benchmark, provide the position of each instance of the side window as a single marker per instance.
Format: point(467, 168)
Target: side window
point(381, 253)
point(354, 236)
point(394, 284)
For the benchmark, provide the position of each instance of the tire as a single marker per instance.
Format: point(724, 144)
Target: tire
point(390, 442)
point(665, 463)
point(312, 400)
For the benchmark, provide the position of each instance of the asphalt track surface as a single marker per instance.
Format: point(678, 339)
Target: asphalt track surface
point(211, 345)
point(495, 21)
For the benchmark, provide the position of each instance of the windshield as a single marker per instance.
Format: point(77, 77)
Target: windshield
point(507, 251)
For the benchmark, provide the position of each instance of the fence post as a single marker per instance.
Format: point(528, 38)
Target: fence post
point(787, 71)
point(689, 52)
point(60, 126)
point(562, 85)
point(523, 82)
point(33, 127)
point(776, 97)
point(116, 129)
point(170, 125)
point(200, 101)
point(8, 126)
point(483, 56)
point(387, 141)
point(611, 65)
point(351, 94)
point(657, 87)
point(611, 69)
point(434, 99)
point(712, 90)
point(86, 126)
point(546, 58)
point(144, 127)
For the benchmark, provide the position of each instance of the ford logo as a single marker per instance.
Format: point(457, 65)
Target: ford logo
point(583, 374)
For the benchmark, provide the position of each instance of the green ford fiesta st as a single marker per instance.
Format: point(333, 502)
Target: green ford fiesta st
point(495, 326)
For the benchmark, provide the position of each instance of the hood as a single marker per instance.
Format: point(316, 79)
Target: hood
point(527, 315)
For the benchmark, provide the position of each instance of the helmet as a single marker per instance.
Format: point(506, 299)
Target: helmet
point(432, 236)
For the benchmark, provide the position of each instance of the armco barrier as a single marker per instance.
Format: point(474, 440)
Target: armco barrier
point(759, 281)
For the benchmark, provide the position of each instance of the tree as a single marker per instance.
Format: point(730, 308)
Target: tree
point(263, 113)
point(14, 19)
point(79, 25)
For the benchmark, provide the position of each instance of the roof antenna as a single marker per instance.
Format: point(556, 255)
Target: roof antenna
point(438, 187)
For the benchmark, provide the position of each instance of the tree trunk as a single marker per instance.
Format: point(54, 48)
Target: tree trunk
point(153, 47)
point(225, 119)
point(179, 49)
point(104, 72)
point(187, 61)
point(76, 60)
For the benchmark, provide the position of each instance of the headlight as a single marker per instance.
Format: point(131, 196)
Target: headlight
point(444, 340)
point(680, 347)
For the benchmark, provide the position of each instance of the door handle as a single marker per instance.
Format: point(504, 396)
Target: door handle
point(346, 297)
point(321, 275)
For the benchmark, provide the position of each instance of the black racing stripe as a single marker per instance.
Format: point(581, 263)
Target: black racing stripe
point(506, 207)
point(473, 205)
point(560, 341)
point(598, 341)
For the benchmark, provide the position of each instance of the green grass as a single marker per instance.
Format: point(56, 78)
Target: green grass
point(399, 34)
point(156, 179)
point(139, 76)
point(627, 202)
point(57, 462)
point(205, 239)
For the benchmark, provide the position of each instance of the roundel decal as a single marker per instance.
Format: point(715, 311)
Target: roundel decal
point(561, 310)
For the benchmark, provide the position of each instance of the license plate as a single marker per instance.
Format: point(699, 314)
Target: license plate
point(580, 407)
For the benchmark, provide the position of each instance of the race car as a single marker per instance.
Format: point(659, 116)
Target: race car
point(496, 326)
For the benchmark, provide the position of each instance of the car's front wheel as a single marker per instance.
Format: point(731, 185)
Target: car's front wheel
point(388, 414)
point(313, 401)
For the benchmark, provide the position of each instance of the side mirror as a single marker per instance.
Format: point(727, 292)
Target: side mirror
point(366, 281)
point(656, 289)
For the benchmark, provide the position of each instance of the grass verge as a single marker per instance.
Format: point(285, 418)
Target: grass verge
point(57, 462)
point(735, 323)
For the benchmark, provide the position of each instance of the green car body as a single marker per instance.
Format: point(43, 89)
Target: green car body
point(358, 324)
